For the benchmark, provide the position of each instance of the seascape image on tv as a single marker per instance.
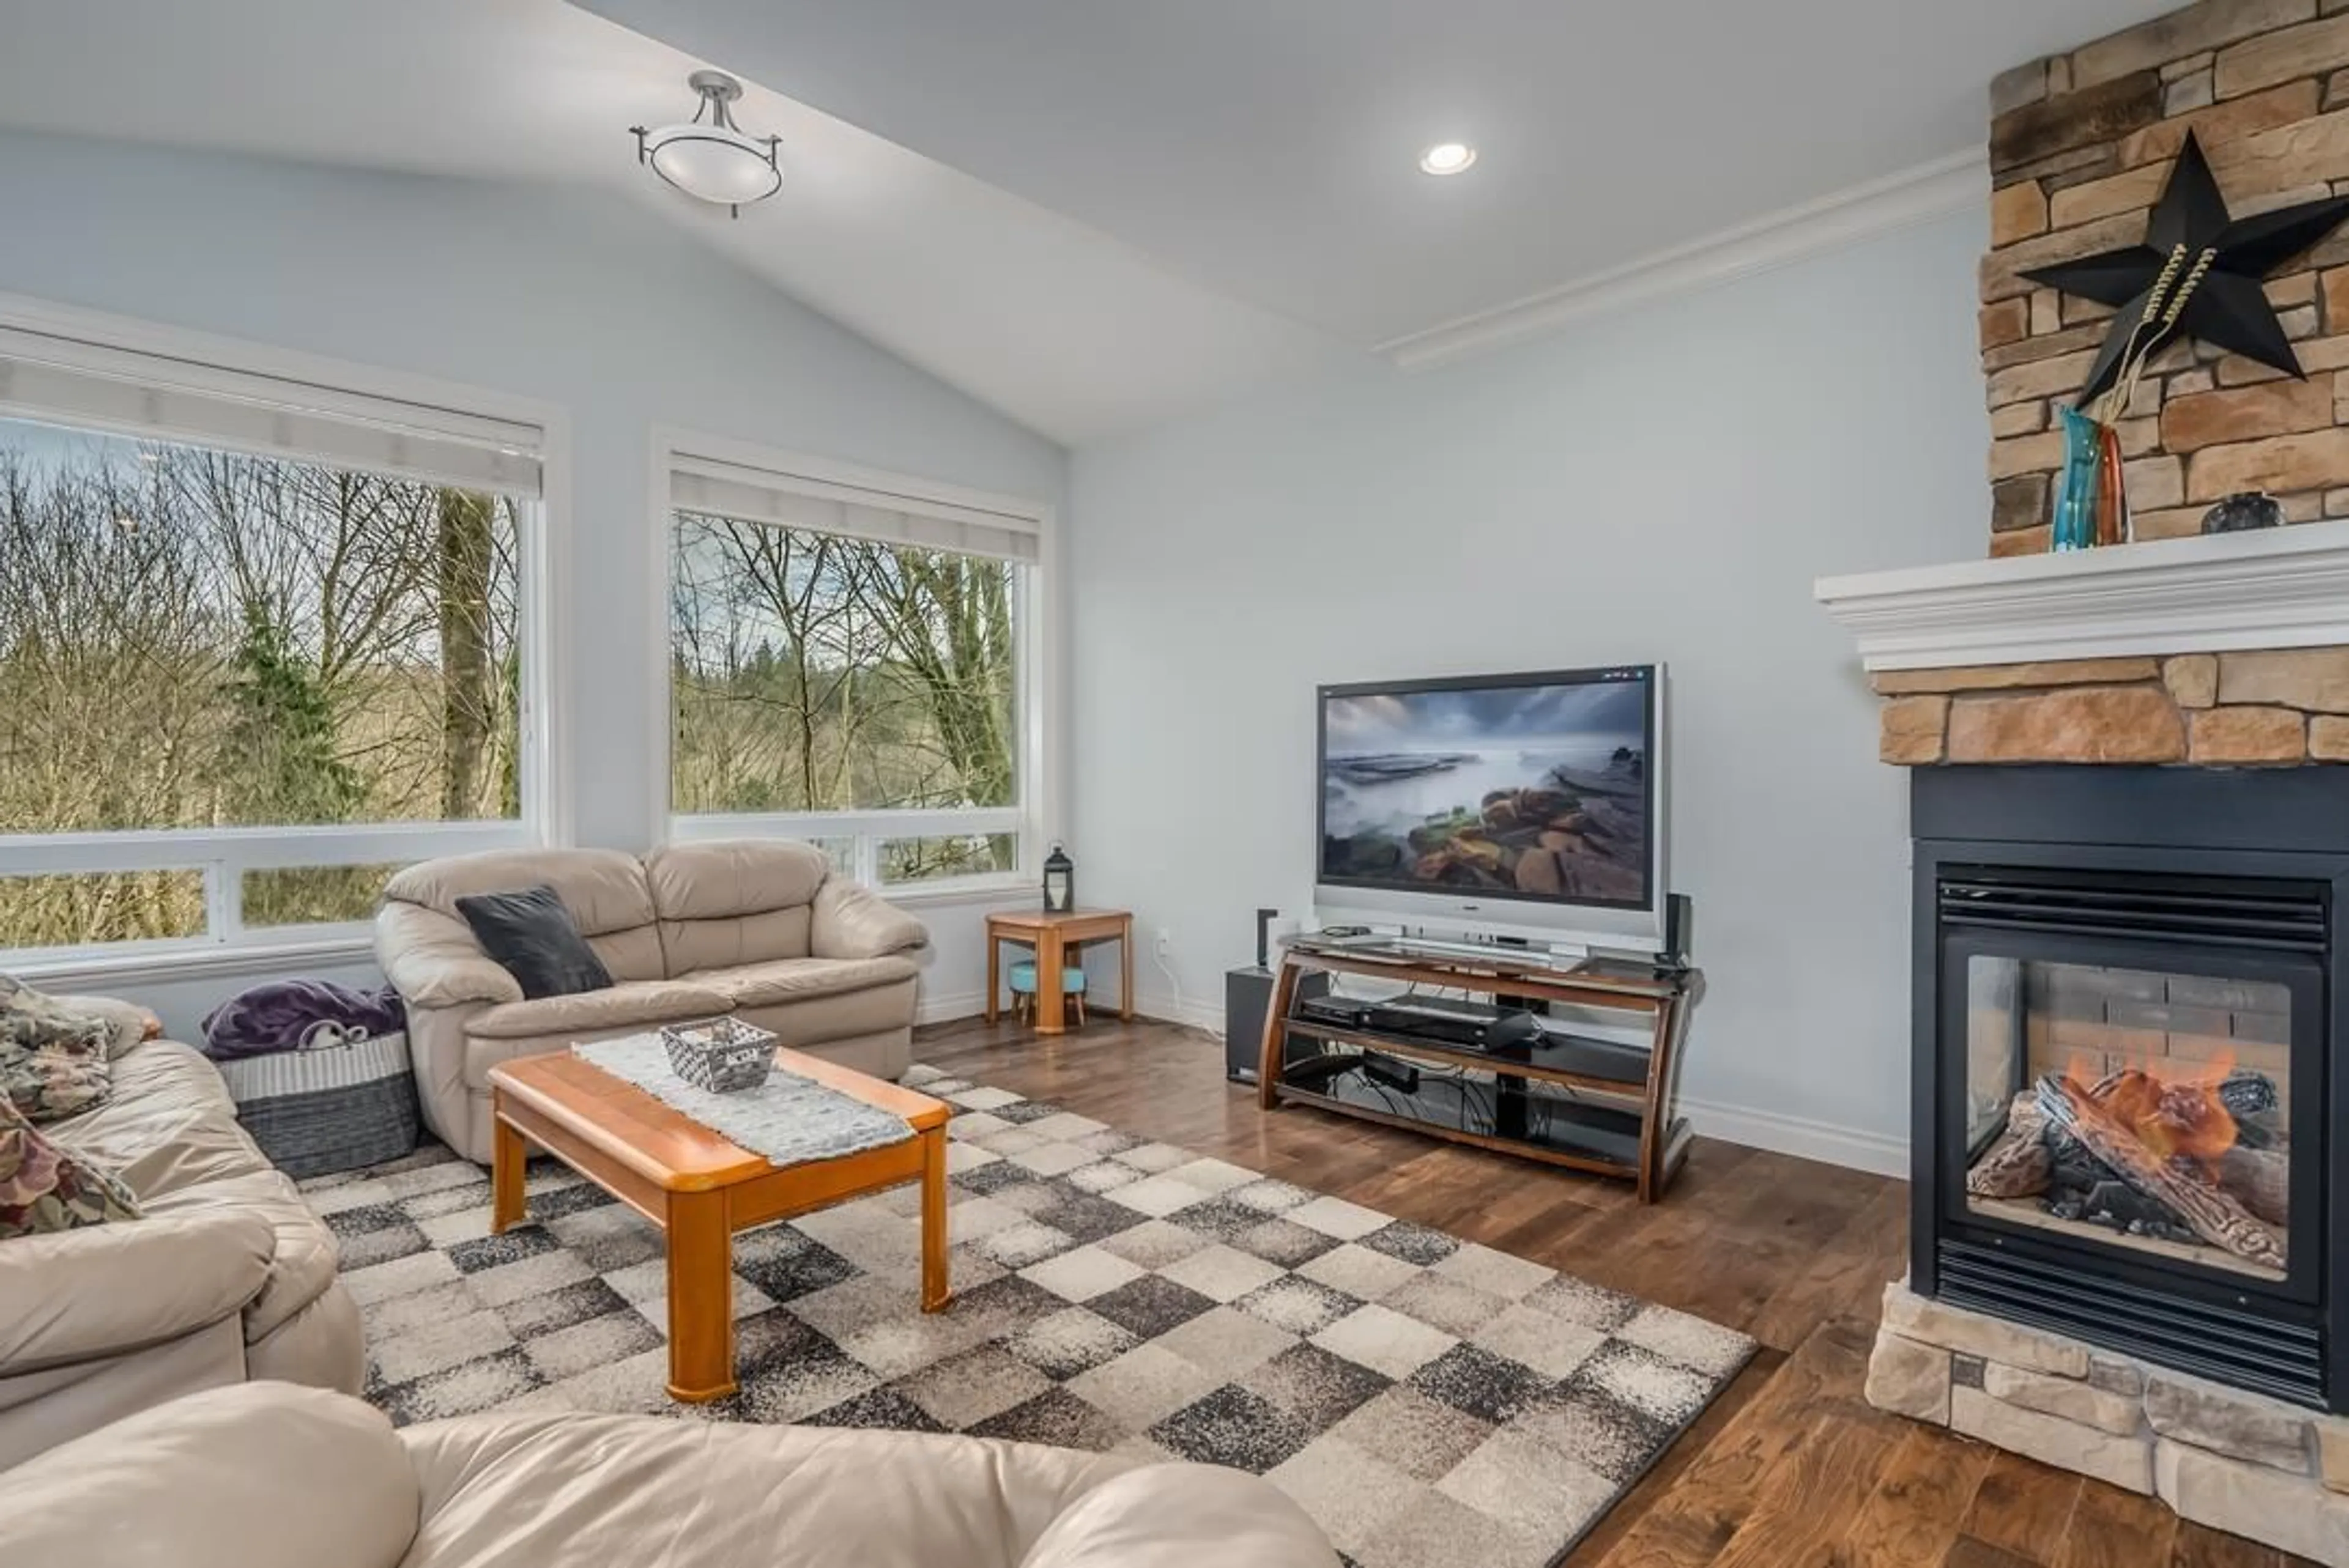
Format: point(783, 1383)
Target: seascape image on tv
point(1534, 792)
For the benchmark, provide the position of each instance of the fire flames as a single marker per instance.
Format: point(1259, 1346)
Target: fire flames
point(2173, 1109)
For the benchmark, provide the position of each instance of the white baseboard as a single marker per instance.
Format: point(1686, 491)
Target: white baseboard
point(946, 1006)
point(1799, 1136)
point(1173, 1009)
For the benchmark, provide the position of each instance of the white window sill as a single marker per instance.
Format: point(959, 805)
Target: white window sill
point(152, 968)
point(84, 970)
point(977, 890)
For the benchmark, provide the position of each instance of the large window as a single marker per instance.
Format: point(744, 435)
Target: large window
point(238, 688)
point(864, 690)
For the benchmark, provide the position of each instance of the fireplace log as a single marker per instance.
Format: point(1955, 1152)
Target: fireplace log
point(2259, 1178)
point(2017, 1165)
point(2217, 1218)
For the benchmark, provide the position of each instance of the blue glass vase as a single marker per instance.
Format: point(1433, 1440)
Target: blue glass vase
point(2074, 522)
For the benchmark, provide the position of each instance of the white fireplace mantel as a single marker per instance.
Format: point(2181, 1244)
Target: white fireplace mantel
point(2275, 588)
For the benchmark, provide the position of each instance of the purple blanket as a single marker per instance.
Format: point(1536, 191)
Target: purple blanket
point(299, 1014)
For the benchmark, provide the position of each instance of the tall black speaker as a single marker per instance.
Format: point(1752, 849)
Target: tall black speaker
point(1679, 931)
point(1246, 994)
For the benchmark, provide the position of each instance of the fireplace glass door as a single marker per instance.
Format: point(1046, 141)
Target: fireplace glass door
point(2138, 1106)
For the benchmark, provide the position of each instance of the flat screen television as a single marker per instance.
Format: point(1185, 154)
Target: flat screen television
point(1524, 806)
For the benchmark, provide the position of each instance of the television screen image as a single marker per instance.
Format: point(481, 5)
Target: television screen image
point(1532, 788)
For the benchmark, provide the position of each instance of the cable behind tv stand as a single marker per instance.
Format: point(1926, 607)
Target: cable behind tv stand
point(1576, 1100)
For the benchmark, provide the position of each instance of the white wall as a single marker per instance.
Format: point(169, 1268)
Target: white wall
point(1661, 485)
point(571, 297)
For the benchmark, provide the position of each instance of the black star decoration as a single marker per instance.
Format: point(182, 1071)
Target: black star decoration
point(2192, 247)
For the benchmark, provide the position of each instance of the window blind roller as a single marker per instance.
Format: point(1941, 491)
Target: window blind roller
point(66, 380)
point(756, 495)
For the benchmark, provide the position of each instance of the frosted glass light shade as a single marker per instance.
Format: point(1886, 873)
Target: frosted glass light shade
point(716, 163)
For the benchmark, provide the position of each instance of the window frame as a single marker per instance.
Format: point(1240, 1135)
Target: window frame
point(233, 367)
point(1032, 818)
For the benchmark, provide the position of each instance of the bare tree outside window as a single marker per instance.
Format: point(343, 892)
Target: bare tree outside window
point(812, 672)
point(192, 639)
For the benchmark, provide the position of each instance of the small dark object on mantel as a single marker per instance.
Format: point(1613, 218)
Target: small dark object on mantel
point(2242, 511)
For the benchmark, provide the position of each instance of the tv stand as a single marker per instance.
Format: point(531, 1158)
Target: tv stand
point(1568, 1100)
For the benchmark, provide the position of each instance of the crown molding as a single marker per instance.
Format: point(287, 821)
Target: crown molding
point(2279, 588)
point(1930, 190)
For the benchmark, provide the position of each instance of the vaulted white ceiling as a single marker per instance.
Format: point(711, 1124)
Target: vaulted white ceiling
point(1270, 149)
point(1094, 213)
point(1069, 331)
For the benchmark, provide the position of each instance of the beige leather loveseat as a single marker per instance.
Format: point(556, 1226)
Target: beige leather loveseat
point(225, 1275)
point(757, 928)
point(273, 1477)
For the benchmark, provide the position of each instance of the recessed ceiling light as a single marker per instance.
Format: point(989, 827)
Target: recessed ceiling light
point(1447, 157)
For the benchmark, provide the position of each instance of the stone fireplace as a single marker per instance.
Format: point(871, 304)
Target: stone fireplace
point(2129, 1140)
point(2126, 1078)
point(2129, 1229)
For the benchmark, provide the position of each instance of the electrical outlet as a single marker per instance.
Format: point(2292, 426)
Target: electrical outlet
point(1165, 942)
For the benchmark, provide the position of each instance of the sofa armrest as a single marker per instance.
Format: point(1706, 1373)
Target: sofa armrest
point(1174, 1516)
point(254, 1475)
point(852, 922)
point(107, 1290)
point(433, 960)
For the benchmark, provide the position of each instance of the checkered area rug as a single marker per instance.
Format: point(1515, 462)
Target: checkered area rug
point(1430, 1401)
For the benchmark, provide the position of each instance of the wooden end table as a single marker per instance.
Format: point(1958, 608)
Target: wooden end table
point(700, 1189)
point(1057, 939)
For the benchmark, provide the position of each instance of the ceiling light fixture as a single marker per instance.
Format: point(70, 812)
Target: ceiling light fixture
point(1447, 157)
point(712, 157)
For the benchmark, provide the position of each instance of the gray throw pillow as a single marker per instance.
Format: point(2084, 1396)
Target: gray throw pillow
point(534, 937)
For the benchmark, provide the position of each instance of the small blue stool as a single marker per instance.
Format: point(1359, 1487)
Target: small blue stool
point(1023, 989)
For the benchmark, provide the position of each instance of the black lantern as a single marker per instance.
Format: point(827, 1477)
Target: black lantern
point(1059, 883)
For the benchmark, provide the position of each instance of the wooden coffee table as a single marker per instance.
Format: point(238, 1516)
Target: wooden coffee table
point(700, 1189)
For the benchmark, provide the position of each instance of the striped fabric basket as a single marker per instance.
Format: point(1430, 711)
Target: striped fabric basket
point(328, 1108)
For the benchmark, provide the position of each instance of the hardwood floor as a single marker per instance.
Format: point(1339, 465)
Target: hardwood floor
point(1790, 1467)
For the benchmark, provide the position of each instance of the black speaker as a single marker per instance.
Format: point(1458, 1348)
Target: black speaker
point(1246, 994)
point(1679, 931)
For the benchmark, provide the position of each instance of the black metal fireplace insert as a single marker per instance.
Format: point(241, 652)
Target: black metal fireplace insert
point(2129, 1106)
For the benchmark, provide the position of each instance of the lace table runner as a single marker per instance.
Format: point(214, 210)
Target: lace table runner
point(789, 1118)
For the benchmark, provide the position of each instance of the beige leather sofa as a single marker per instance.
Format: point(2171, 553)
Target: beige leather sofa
point(757, 928)
point(226, 1276)
point(274, 1477)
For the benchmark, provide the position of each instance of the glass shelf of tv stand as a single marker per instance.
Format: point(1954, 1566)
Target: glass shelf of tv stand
point(1491, 1107)
point(1525, 972)
point(1570, 1060)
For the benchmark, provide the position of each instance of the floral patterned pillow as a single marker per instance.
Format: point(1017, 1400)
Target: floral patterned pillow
point(128, 1022)
point(43, 1187)
point(51, 1067)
